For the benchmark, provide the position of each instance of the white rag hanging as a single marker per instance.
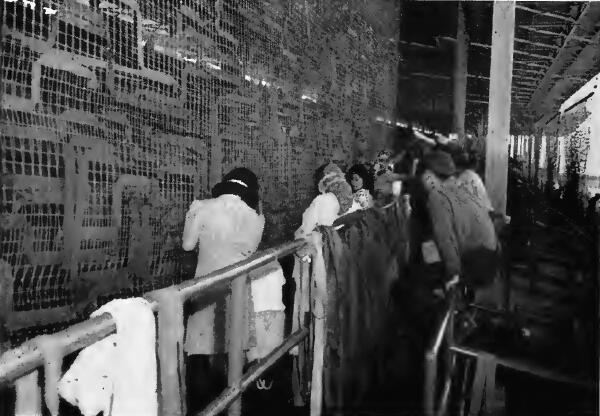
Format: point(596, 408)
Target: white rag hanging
point(265, 284)
point(117, 375)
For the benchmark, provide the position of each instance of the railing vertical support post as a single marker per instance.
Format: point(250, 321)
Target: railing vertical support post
point(237, 332)
point(430, 383)
point(29, 395)
point(496, 160)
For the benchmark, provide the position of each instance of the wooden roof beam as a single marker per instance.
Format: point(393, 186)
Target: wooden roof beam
point(527, 77)
point(542, 31)
point(527, 63)
point(519, 88)
point(543, 45)
point(529, 71)
point(518, 52)
point(584, 14)
point(470, 100)
point(562, 35)
point(548, 14)
point(428, 75)
point(418, 45)
point(521, 95)
point(570, 77)
point(533, 55)
point(440, 76)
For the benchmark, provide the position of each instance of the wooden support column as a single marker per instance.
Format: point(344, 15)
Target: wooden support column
point(460, 74)
point(496, 164)
point(530, 156)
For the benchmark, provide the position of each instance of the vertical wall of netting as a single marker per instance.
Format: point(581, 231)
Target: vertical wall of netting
point(117, 114)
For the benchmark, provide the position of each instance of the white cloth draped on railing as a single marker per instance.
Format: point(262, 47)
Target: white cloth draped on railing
point(117, 375)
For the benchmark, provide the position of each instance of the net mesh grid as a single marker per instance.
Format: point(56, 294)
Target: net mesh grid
point(112, 112)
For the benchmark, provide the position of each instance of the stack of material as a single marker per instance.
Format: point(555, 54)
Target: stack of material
point(362, 261)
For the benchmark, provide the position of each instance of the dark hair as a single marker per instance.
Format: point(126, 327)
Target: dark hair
point(230, 185)
point(465, 160)
point(319, 173)
point(362, 171)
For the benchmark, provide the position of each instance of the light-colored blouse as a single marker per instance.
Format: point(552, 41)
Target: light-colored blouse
point(227, 231)
point(363, 198)
point(475, 186)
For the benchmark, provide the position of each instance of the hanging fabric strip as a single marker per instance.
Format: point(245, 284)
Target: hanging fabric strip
point(301, 276)
point(301, 306)
point(319, 313)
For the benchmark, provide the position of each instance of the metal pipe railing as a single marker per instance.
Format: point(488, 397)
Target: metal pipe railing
point(20, 361)
point(27, 358)
point(528, 368)
point(431, 364)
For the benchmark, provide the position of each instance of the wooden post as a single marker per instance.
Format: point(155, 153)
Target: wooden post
point(28, 399)
point(460, 74)
point(235, 368)
point(496, 165)
point(529, 155)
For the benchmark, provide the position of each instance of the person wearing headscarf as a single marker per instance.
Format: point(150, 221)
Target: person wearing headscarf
point(462, 228)
point(334, 200)
point(227, 229)
point(362, 185)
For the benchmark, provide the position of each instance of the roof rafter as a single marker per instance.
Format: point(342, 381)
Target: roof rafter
point(518, 52)
point(562, 35)
point(544, 13)
point(542, 31)
point(527, 63)
point(529, 71)
point(543, 45)
point(568, 38)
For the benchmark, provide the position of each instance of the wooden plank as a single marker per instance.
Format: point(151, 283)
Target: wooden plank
point(460, 74)
point(496, 166)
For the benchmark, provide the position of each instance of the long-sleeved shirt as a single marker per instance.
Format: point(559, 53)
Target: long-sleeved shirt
point(460, 223)
point(475, 185)
point(323, 210)
point(227, 231)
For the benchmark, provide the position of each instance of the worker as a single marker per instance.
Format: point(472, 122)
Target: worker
point(228, 228)
point(466, 165)
point(334, 200)
point(463, 231)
